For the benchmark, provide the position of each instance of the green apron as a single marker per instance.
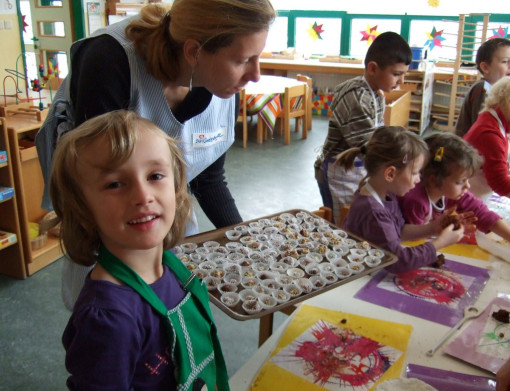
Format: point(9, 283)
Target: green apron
point(196, 351)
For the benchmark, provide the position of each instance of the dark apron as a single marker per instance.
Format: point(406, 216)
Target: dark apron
point(196, 351)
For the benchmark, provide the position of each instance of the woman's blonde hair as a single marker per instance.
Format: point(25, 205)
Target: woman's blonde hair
point(160, 32)
point(122, 129)
point(499, 94)
point(388, 146)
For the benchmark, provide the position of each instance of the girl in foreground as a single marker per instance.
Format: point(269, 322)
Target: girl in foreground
point(393, 158)
point(141, 321)
point(445, 186)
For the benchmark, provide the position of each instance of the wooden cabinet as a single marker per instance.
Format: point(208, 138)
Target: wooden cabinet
point(420, 83)
point(29, 186)
point(11, 257)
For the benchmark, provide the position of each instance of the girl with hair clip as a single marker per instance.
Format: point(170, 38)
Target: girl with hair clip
point(445, 187)
point(142, 319)
point(393, 158)
point(181, 67)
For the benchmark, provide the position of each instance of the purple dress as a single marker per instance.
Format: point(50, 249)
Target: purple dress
point(415, 206)
point(131, 350)
point(382, 225)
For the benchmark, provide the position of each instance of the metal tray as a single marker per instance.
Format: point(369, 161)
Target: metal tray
point(238, 312)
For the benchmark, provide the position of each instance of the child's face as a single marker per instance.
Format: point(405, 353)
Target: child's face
point(389, 78)
point(499, 65)
point(133, 204)
point(408, 177)
point(455, 185)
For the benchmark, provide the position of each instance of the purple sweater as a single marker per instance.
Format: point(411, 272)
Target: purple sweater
point(415, 206)
point(114, 340)
point(382, 225)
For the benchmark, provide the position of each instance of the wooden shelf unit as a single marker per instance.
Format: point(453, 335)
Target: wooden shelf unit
point(29, 186)
point(11, 258)
point(420, 84)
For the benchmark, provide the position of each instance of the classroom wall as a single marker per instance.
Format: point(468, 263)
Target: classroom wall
point(10, 48)
point(398, 7)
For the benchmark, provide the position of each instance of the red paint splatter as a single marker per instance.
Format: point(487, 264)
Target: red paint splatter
point(430, 284)
point(340, 353)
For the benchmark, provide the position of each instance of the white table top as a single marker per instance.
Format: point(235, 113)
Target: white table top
point(425, 334)
point(271, 85)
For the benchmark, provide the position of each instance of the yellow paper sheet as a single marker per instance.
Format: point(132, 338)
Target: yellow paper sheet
point(396, 335)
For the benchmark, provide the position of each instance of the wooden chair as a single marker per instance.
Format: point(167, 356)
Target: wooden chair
point(309, 104)
point(297, 111)
point(243, 117)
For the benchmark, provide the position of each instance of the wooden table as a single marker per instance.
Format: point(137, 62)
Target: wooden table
point(425, 334)
point(264, 98)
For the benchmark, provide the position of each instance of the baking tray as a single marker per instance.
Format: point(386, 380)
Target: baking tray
point(238, 312)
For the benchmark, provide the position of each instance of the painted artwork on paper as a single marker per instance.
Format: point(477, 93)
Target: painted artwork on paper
point(337, 358)
point(326, 349)
point(486, 341)
point(438, 295)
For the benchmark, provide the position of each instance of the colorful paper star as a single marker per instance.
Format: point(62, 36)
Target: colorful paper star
point(434, 3)
point(369, 34)
point(315, 31)
point(25, 25)
point(500, 32)
point(434, 39)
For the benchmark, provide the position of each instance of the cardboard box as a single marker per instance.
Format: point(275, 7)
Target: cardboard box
point(6, 239)
point(6, 193)
point(398, 105)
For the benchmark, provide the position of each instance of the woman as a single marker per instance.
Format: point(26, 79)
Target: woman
point(179, 68)
point(489, 135)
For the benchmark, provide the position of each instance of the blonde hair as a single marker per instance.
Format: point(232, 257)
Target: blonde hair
point(388, 146)
point(122, 129)
point(499, 94)
point(160, 32)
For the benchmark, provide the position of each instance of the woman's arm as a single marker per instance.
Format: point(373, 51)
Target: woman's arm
point(100, 78)
point(211, 191)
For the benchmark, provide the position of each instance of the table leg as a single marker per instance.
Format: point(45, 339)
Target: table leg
point(265, 328)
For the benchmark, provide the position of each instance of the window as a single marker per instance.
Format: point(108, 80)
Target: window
point(318, 36)
point(364, 31)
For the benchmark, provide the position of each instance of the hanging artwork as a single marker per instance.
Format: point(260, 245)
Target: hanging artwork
point(434, 39)
point(315, 31)
point(438, 295)
point(486, 341)
point(500, 32)
point(325, 349)
point(369, 34)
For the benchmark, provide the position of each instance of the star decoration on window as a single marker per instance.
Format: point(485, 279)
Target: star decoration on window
point(315, 31)
point(500, 32)
point(25, 24)
point(434, 39)
point(369, 34)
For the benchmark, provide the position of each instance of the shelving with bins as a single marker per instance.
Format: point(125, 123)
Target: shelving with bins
point(29, 186)
point(11, 257)
point(449, 94)
point(420, 83)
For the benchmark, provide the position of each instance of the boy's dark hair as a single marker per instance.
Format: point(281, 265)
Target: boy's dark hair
point(487, 49)
point(389, 48)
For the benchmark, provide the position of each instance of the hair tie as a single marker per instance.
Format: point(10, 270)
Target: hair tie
point(438, 156)
point(404, 160)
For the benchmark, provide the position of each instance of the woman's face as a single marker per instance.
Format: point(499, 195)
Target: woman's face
point(227, 71)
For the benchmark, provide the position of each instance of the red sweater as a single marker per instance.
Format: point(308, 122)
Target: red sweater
point(487, 138)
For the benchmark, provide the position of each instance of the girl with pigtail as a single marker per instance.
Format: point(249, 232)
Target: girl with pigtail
point(394, 158)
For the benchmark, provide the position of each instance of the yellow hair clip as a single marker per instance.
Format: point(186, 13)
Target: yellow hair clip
point(439, 154)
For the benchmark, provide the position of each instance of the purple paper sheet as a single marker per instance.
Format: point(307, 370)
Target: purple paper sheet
point(450, 381)
point(448, 315)
point(470, 344)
